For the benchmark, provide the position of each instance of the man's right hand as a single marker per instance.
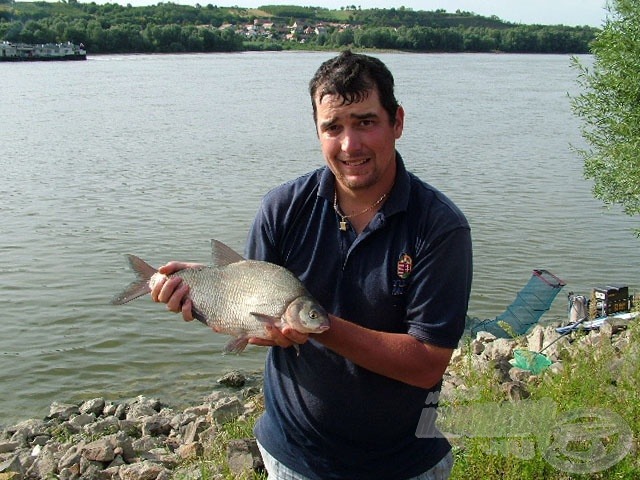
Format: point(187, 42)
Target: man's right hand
point(173, 291)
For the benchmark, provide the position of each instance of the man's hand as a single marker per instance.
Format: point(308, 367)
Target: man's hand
point(173, 291)
point(280, 338)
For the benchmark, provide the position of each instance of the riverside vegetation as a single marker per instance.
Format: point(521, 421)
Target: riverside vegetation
point(591, 371)
point(170, 27)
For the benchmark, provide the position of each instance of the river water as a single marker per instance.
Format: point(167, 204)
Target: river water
point(156, 155)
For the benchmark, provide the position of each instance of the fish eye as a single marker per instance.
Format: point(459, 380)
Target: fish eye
point(313, 314)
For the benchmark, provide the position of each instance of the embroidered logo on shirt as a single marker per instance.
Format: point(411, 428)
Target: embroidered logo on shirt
point(405, 264)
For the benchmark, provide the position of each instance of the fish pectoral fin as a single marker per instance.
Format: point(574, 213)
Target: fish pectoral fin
point(268, 319)
point(236, 345)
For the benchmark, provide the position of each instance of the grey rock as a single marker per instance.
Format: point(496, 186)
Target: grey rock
point(156, 425)
point(101, 450)
point(28, 430)
point(141, 471)
point(233, 379)
point(81, 420)
point(243, 456)
point(63, 411)
point(226, 409)
point(12, 464)
point(192, 430)
point(46, 464)
point(103, 426)
point(8, 446)
point(94, 406)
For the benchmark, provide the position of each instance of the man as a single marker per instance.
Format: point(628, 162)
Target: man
point(390, 258)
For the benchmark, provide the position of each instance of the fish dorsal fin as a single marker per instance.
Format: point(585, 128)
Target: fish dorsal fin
point(223, 255)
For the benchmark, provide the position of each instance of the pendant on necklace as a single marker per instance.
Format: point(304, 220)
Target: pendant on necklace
point(343, 225)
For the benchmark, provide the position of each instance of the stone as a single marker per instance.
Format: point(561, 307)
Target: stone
point(146, 443)
point(141, 471)
point(477, 347)
point(515, 391)
point(182, 419)
point(63, 411)
point(485, 337)
point(8, 446)
point(138, 410)
point(244, 456)
point(190, 450)
point(12, 465)
point(499, 349)
point(71, 457)
point(233, 379)
point(611, 326)
point(536, 339)
point(101, 450)
point(28, 429)
point(94, 406)
point(156, 425)
point(92, 470)
point(103, 426)
point(81, 420)
point(208, 436)
point(226, 409)
point(191, 431)
point(46, 464)
point(519, 374)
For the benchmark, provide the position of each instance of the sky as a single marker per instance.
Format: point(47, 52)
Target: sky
point(545, 12)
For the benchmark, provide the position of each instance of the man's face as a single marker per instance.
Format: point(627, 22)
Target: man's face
point(358, 139)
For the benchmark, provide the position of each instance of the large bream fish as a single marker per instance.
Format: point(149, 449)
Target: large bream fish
point(237, 296)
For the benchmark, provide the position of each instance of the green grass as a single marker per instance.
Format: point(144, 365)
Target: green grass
point(594, 379)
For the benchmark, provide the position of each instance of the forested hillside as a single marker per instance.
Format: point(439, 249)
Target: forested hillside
point(169, 27)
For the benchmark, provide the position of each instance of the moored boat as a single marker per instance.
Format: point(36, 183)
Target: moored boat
point(24, 52)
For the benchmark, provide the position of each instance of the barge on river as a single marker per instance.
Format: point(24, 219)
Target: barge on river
point(23, 52)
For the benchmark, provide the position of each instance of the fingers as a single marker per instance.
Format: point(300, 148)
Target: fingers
point(174, 293)
point(294, 335)
point(187, 310)
point(174, 297)
point(284, 338)
point(173, 267)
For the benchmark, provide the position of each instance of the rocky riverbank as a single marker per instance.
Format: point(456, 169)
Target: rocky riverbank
point(143, 439)
point(139, 439)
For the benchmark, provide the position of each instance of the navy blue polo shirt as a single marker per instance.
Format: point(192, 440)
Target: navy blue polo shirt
point(409, 271)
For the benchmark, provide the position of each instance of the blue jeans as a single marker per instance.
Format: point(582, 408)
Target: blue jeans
point(278, 471)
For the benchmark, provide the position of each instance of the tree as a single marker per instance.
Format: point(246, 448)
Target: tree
point(609, 108)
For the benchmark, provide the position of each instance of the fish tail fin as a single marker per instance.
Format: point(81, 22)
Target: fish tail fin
point(140, 286)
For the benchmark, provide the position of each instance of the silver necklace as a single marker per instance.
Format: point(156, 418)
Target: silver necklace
point(344, 218)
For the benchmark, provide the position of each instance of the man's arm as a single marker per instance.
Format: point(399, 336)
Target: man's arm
point(395, 355)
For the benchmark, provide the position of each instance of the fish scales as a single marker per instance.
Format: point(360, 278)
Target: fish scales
point(238, 297)
point(228, 296)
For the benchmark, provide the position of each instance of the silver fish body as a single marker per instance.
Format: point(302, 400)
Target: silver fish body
point(238, 297)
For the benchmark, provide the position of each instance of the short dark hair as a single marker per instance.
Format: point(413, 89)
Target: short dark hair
point(351, 76)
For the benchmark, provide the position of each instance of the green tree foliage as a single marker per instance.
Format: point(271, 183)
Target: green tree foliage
point(169, 27)
point(610, 109)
